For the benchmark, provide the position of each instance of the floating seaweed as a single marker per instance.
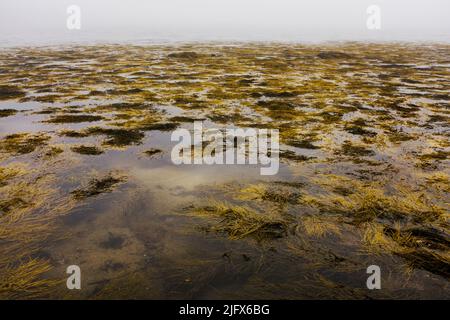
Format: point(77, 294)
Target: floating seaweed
point(7, 112)
point(87, 150)
point(364, 151)
point(98, 186)
point(23, 143)
point(241, 222)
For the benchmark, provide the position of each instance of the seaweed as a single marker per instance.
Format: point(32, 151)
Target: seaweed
point(183, 55)
point(53, 151)
point(10, 92)
point(23, 143)
point(163, 126)
point(383, 191)
point(7, 112)
point(184, 119)
point(74, 118)
point(73, 134)
point(87, 150)
point(291, 155)
point(334, 55)
point(430, 238)
point(240, 222)
point(97, 186)
point(304, 144)
point(280, 195)
point(352, 150)
point(25, 280)
point(437, 155)
point(9, 172)
point(113, 242)
point(234, 117)
point(118, 137)
point(360, 131)
point(152, 152)
point(427, 260)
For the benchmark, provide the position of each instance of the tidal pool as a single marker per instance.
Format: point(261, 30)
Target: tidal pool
point(86, 177)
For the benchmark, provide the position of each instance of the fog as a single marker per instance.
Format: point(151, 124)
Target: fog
point(24, 22)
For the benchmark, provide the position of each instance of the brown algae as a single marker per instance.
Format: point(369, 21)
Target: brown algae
point(364, 177)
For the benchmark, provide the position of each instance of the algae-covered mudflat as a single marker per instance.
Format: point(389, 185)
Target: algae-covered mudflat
point(86, 177)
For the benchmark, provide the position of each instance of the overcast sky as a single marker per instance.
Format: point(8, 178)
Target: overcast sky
point(44, 21)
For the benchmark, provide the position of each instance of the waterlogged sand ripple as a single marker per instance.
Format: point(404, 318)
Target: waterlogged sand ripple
point(86, 176)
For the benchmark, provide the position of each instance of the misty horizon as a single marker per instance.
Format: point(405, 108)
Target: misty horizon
point(43, 22)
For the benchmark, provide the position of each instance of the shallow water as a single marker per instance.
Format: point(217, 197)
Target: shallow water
point(363, 179)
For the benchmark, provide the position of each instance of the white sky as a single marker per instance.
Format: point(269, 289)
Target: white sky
point(36, 21)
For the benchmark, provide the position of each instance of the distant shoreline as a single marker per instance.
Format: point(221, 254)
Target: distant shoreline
point(150, 43)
